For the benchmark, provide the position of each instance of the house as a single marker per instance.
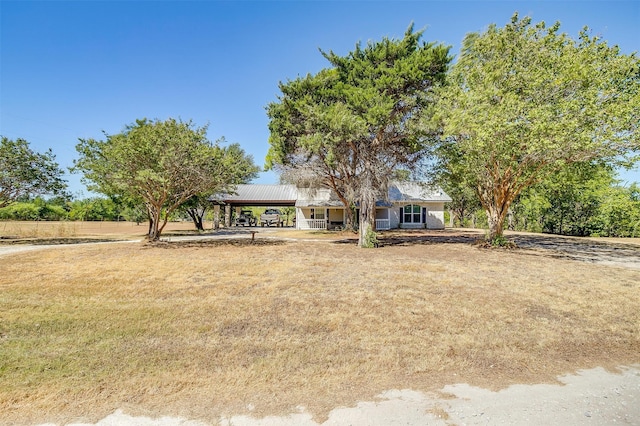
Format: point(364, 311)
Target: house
point(408, 205)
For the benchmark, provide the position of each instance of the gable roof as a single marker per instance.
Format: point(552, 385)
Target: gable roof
point(317, 197)
point(416, 191)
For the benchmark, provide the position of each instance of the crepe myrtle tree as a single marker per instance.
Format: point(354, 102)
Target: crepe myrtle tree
point(25, 172)
point(349, 126)
point(525, 101)
point(159, 163)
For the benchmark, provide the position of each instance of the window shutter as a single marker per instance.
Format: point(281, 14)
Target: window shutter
point(424, 215)
point(401, 214)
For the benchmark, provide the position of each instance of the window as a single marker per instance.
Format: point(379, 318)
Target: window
point(317, 214)
point(412, 213)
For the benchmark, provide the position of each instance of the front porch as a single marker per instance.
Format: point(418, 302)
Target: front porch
point(322, 218)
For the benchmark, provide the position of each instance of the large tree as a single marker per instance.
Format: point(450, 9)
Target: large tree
point(526, 100)
point(25, 172)
point(351, 125)
point(161, 163)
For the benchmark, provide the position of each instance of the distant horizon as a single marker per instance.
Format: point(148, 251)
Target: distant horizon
point(72, 70)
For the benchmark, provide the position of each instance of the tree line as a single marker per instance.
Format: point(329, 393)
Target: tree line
point(527, 125)
point(64, 208)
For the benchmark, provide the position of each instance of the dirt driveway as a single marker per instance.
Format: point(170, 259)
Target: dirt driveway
point(619, 252)
point(625, 255)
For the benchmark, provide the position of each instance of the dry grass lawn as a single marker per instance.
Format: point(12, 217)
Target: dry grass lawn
point(60, 229)
point(204, 329)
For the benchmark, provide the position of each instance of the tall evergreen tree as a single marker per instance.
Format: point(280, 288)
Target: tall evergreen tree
point(351, 125)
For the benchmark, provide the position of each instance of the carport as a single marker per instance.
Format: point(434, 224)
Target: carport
point(256, 196)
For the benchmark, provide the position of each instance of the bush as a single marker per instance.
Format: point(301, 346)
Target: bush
point(20, 211)
point(370, 239)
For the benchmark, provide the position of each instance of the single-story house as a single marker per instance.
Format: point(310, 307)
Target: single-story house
point(408, 205)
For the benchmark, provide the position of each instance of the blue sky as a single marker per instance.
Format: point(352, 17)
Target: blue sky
point(73, 69)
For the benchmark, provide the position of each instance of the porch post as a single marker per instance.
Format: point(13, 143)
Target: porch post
point(216, 216)
point(227, 215)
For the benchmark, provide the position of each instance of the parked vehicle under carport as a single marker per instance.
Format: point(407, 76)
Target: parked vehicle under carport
point(246, 218)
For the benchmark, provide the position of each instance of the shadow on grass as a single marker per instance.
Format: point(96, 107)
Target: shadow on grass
point(218, 242)
point(419, 237)
point(409, 239)
point(54, 241)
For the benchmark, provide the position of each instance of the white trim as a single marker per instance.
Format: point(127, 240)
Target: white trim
point(312, 224)
point(383, 224)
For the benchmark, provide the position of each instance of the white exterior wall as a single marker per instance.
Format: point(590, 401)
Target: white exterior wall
point(394, 216)
point(435, 216)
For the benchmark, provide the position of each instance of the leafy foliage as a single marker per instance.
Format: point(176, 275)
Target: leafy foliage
point(526, 101)
point(161, 163)
point(24, 172)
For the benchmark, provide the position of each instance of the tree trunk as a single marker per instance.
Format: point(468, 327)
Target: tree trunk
point(227, 215)
point(154, 222)
point(197, 217)
point(496, 216)
point(349, 220)
point(496, 223)
point(366, 236)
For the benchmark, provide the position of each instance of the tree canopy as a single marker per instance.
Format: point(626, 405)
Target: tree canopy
point(351, 125)
point(25, 172)
point(525, 100)
point(161, 163)
point(235, 167)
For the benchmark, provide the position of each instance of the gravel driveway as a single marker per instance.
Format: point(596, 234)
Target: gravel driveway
point(582, 249)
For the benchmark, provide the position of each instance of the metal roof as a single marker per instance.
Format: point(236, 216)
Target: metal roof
point(416, 191)
point(289, 195)
point(262, 195)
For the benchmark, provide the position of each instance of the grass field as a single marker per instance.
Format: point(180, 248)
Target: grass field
point(59, 229)
point(208, 328)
